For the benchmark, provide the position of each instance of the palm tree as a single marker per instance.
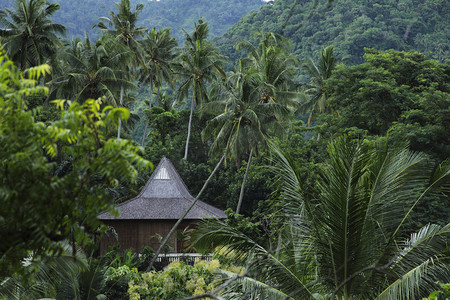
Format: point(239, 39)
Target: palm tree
point(259, 101)
point(347, 244)
point(199, 63)
point(93, 70)
point(318, 73)
point(87, 284)
point(28, 34)
point(126, 31)
point(66, 276)
point(243, 123)
point(124, 24)
point(158, 47)
point(46, 274)
point(273, 59)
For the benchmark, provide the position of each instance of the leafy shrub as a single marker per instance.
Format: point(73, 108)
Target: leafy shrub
point(176, 281)
point(116, 258)
point(442, 294)
point(117, 279)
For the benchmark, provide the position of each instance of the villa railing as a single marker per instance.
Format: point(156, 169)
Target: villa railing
point(188, 258)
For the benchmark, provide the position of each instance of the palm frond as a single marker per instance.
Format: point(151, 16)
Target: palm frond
point(242, 249)
point(411, 283)
point(251, 288)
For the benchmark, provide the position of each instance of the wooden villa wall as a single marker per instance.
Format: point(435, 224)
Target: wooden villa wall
point(137, 233)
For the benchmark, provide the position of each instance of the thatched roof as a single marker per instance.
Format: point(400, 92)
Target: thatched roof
point(164, 197)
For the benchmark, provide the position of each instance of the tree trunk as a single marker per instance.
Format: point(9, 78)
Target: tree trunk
point(158, 96)
point(164, 241)
point(189, 128)
point(241, 195)
point(149, 107)
point(120, 121)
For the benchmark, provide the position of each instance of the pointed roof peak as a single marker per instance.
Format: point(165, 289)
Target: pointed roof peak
point(165, 182)
point(164, 196)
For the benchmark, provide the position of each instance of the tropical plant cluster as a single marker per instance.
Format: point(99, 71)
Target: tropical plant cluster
point(334, 171)
point(177, 280)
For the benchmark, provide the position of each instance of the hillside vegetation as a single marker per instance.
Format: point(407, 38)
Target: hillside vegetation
point(80, 16)
point(350, 26)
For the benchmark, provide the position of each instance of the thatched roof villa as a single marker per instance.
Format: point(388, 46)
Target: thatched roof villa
point(155, 210)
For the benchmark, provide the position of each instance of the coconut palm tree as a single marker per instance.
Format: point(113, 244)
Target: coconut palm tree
point(93, 70)
point(259, 101)
point(123, 25)
point(243, 122)
point(273, 59)
point(200, 63)
point(124, 28)
point(28, 34)
point(158, 48)
point(348, 243)
point(318, 73)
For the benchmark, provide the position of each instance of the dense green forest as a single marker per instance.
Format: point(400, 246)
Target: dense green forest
point(334, 173)
point(349, 26)
point(80, 16)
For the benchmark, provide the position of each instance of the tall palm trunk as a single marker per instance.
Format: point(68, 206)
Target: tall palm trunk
point(241, 195)
point(121, 103)
point(164, 241)
point(189, 128)
point(149, 107)
point(158, 95)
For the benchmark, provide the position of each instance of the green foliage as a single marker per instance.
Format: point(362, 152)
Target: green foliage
point(69, 277)
point(116, 258)
point(175, 14)
point(259, 186)
point(59, 169)
point(28, 34)
point(252, 105)
point(176, 281)
point(403, 93)
point(92, 70)
point(117, 279)
point(348, 242)
point(199, 63)
point(46, 275)
point(79, 17)
point(43, 203)
point(348, 26)
point(167, 136)
point(159, 57)
point(317, 101)
point(442, 294)
point(246, 226)
point(123, 23)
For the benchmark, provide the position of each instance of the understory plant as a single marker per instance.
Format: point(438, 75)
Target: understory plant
point(176, 281)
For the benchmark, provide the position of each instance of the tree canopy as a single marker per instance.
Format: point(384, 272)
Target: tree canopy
point(54, 176)
point(28, 33)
